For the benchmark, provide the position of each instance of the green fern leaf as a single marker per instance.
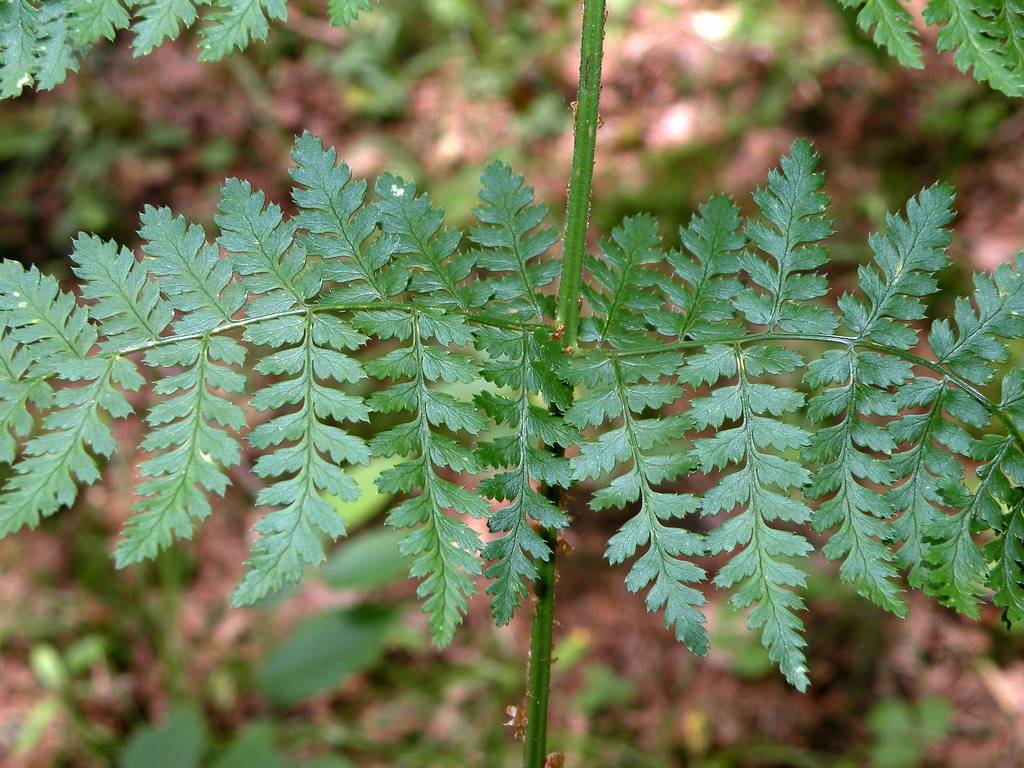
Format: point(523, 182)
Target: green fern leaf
point(47, 321)
point(438, 270)
point(907, 256)
point(190, 272)
point(95, 19)
point(126, 302)
point(18, 389)
point(701, 306)
point(893, 28)
point(793, 208)
point(19, 26)
point(310, 353)
point(976, 33)
point(343, 12)
point(159, 20)
point(626, 390)
point(261, 241)
point(843, 451)
point(188, 429)
point(1012, 15)
point(690, 347)
point(1007, 555)
point(235, 23)
point(622, 294)
point(53, 50)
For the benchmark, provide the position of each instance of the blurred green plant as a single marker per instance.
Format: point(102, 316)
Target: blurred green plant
point(61, 675)
point(181, 741)
point(324, 651)
point(902, 731)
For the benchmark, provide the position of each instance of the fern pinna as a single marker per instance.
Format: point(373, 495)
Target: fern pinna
point(691, 361)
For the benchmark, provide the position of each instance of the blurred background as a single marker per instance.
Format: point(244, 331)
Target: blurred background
point(149, 668)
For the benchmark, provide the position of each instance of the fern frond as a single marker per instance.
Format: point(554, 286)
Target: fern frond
point(845, 454)
point(622, 291)
point(47, 321)
point(160, 20)
point(18, 389)
point(190, 272)
point(985, 36)
point(343, 12)
point(625, 390)
point(189, 429)
point(263, 252)
point(19, 29)
point(906, 256)
point(235, 23)
point(126, 303)
point(1007, 555)
point(1012, 14)
point(430, 249)
point(41, 41)
point(95, 19)
point(310, 353)
point(687, 363)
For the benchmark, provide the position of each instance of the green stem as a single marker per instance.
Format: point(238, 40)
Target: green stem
point(577, 218)
point(577, 212)
point(539, 686)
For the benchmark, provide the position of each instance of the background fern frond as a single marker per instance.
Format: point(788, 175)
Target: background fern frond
point(160, 20)
point(235, 23)
point(978, 35)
